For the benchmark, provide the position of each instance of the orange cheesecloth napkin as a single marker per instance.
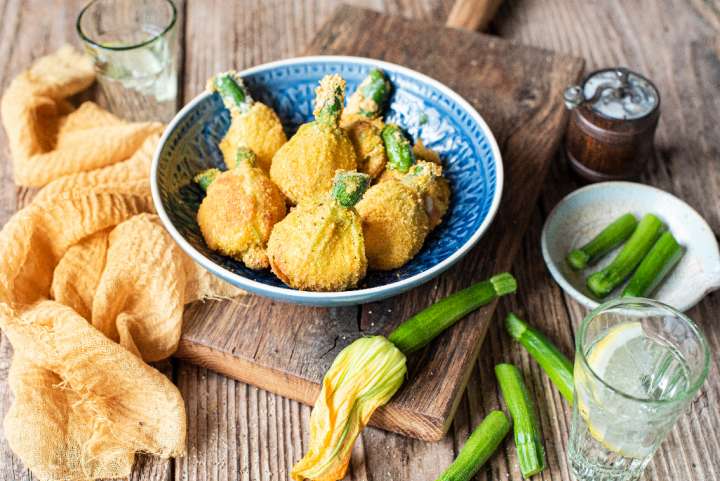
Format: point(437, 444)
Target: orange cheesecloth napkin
point(92, 288)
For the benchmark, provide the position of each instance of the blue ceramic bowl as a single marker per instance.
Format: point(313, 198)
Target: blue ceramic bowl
point(425, 108)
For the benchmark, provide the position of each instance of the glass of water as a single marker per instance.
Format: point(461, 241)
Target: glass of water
point(134, 47)
point(639, 363)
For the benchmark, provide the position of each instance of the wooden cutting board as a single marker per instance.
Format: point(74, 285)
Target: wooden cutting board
point(286, 348)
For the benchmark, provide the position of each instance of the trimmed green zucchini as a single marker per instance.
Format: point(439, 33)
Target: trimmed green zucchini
point(526, 426)
point(555, 364)
point(606, 280)
point(609, 238)
point(656, 265)
point(481, 444)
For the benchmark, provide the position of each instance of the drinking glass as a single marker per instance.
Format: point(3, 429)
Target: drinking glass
point(133, 44)
point(638, 365)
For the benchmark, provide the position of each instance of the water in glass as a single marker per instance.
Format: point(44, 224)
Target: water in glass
point(133, 45)
point(638, 365)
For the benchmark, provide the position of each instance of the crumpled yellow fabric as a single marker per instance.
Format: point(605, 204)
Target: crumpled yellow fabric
point(91, 286)
point(48, 138)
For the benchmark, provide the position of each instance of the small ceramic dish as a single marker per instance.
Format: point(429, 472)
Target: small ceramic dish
point(426, 109)
point(585, 212)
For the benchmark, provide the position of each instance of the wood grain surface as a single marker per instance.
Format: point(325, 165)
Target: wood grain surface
point(472, 14)
point(239, 432)
point(286, 349)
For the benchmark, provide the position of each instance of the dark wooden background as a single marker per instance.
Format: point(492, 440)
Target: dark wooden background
point(239, 432)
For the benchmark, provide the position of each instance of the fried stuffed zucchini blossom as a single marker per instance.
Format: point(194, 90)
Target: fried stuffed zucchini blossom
point(240, 209)
point(319, 246)
point(433, 188)
point(253, 124)
point(305, 166)
point(395, 224)
point(362, 119)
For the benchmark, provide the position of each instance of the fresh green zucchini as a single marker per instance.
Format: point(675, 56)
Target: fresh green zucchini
point(526, 426)
point(481, 444)
point(606, 280)
point(656, 265)
point(555, 364)
point(423, 327)
point(609, 238)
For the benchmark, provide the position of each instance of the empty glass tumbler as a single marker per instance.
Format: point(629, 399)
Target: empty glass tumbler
point(639, 363)
point(134, 47)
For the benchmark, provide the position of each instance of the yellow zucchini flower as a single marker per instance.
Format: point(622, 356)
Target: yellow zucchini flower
point(363, 377)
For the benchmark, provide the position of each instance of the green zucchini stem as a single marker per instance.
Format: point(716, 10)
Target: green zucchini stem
point(329, 99)
point(481, 444)
point(609, 238)
point(416, 332)
point(206, 177)
point(370, 97)
point(655, 267)
point(555, 364)
point(526, 427)
point(231, 88)
point(349, 187)
point(398, 149)
point(606, 280)
point(245, 155)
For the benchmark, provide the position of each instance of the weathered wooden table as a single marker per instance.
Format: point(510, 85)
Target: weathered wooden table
point(238, 432)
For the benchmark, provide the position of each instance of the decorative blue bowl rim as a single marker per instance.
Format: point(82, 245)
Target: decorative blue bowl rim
point(350, 297)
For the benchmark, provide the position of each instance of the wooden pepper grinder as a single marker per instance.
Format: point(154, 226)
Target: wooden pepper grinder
point(612, 125)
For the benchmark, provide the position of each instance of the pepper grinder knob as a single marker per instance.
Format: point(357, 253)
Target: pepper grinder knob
point(573, 97)
point(622, 75)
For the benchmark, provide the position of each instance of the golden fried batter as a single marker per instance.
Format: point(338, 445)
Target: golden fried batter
point(253, 125)
point(238, 214)
point(304, 167)
point(259, 130)
point(362, 118)
point(424, 153)
point(365, 136)
point(434, 189)
point(319, 246)
point(395, 224)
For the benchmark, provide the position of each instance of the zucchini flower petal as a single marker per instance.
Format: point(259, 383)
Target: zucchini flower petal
point(363, 377)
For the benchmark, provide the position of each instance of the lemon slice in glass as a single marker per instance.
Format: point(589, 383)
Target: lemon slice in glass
point(619, 351)
point(620, 359)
